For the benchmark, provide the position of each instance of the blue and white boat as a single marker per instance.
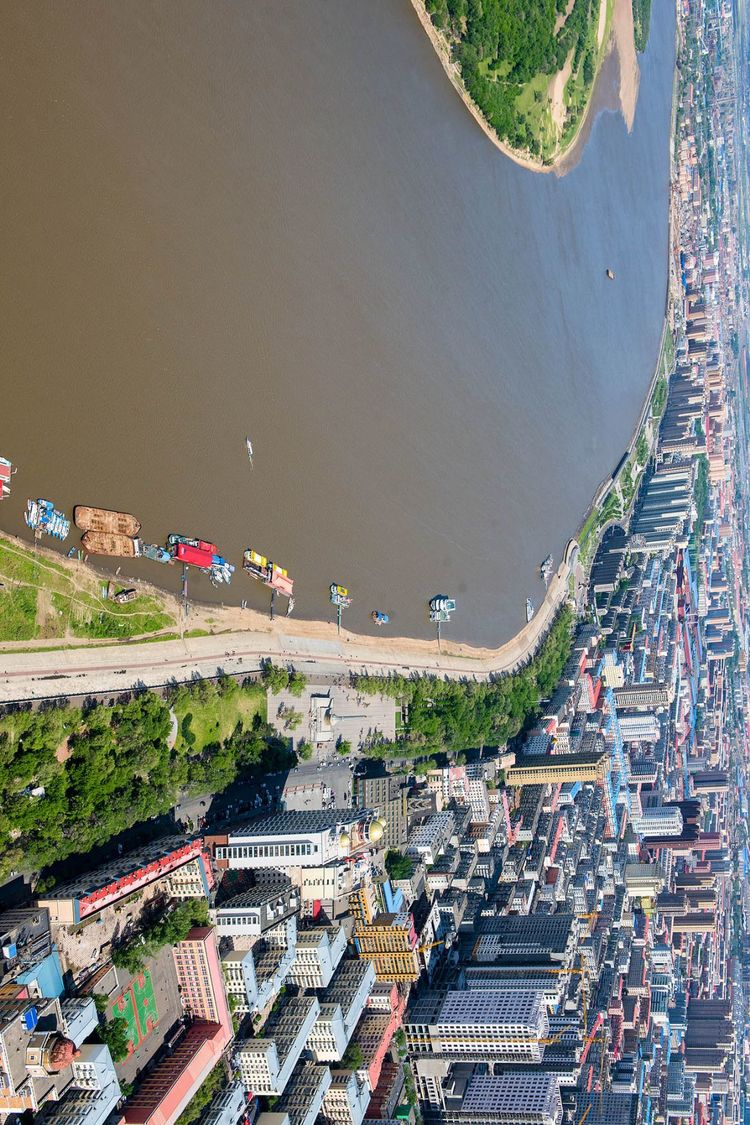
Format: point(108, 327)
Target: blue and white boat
point(156, 553)
point(221, 570)
point(44, 519)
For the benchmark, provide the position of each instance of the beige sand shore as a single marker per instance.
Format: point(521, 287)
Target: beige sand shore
point(630, 75)
point(266, 636)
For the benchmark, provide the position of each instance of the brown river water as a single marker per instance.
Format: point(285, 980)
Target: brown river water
point(277, 218)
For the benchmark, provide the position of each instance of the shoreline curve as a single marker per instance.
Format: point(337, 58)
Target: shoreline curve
point(628, 83)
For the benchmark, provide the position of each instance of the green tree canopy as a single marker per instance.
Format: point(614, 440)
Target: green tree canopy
point(398, 865)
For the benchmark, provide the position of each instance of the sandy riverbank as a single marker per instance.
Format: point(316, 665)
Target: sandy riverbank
point(624, 43)
point(621, 43)
point(218, 621)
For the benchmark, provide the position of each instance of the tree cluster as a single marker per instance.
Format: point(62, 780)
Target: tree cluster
point(279, 679)
point(641, 23)
point(116, 1036)
point(172, 926)
point(502, 44)
point(453, 715)
point(398, 865)
point(72, 778)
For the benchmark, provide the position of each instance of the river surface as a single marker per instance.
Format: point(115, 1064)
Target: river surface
point(278, 219)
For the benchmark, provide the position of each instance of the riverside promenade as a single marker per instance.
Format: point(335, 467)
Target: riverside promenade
point(313, 648)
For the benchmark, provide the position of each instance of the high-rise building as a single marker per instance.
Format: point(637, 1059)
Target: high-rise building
point(390, 942)
point(506, 1025)
point(318, 953)
point(346, 1099)
point(607, 1108)
point(199, 976)
point(640, 726)
point(229, 1106)
point(265, 900)
point(526, 939)
point(386, 795)
point(265, 1064)
point(341, 1006)
point(428, 839)
point(512, 1098)
point(304, 1094)
point(661, 820)
point(94, 1091)
point(537, 769)
point(82, 897)
point(642, 695)
point(293, 840)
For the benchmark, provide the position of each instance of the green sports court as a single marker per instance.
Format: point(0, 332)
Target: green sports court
point(137, 1006)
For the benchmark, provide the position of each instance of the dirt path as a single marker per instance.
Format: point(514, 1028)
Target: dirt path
point(557, 93)
point(562, 17)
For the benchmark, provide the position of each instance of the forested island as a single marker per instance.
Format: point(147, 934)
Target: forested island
point(529, 65)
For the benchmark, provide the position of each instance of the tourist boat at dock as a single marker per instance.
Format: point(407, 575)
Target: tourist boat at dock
point(102, 519)
point(221, 570)
point(530, 611)
point(112, 543)
point(44, 519)
point(379, 618)
point(211, 563)
point(156, 553)
point(6, 472)
point(441, 607)
point(173, 540)
point(546, 569)
point(340, 595)
point(267, 572)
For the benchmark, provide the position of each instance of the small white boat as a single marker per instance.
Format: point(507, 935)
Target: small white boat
point(249, 445)
point(546, 570)
point(530, 611)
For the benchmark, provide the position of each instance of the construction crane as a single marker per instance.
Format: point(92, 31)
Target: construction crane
point(430, 945)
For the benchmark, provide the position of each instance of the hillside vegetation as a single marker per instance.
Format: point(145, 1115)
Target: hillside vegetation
point(508, 51)
point(70, 779)
point(641, 23)
point(42, 598)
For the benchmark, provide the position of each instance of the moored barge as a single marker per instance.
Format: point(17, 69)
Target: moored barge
point(102, 519)
point(111, 543)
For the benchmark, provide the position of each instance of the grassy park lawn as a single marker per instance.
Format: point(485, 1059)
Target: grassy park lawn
point(214, 711)
point(43, 599)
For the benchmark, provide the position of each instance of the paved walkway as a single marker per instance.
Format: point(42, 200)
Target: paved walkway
point(116, 668)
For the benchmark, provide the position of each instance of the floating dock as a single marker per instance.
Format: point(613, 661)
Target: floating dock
point(102, 519)
point(441, 608)
point(267, 572)
point(6, 472)
point(175, 540)
point(156, 553)
point(203, 557)
point(111, 543)
point(44, 519)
